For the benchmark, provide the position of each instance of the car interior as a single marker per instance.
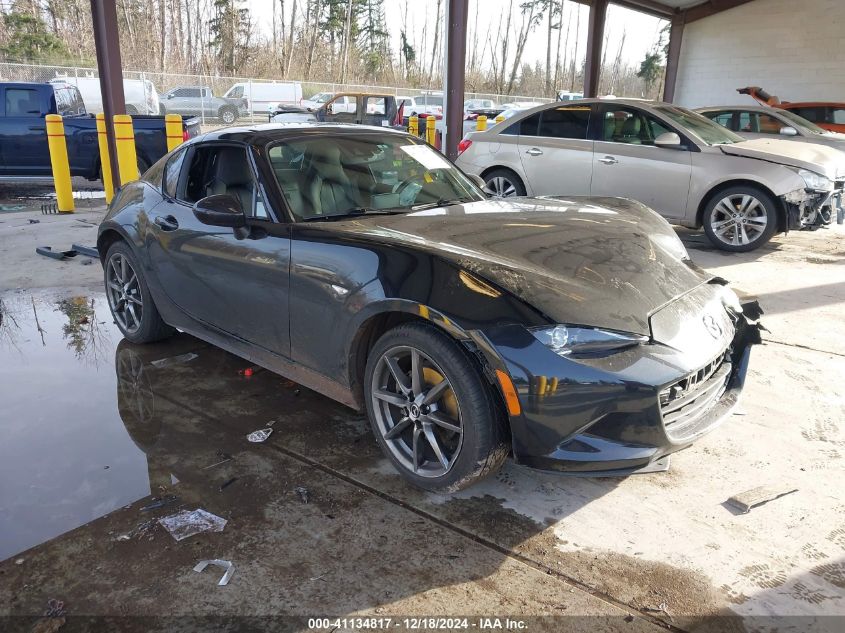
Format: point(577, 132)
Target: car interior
point(224, 170)
point(631, 127)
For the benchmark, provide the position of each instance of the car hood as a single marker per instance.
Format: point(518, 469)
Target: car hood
point(815, 157)
point(603, 262)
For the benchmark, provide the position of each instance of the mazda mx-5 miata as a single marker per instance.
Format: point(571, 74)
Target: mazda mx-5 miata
point(574, 333)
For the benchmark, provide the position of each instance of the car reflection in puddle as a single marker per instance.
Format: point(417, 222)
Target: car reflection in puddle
point(66, 457)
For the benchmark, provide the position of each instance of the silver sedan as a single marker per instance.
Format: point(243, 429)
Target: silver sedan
point(689, 169)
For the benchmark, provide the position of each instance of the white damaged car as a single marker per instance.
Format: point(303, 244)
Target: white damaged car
point(689, 169)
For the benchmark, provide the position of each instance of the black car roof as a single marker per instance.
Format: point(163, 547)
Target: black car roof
point(261, 134)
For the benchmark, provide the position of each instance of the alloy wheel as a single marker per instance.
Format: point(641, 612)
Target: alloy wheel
point(416, 411)
point(124, 293)
point(228, 116)
point(739, 219)
point(500, 187)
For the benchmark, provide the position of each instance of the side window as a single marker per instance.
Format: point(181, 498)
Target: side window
point(529, 125)
point(237, 92)
point(22, 102)
point(192, 93)
point(768, 124)
point(63, 104)
point(746, 122)
point(811, 114)
point(344, 105)
point(838, 116)
point(170, 179)
point(374, 105)
point(566, 122)
point(223, 170)
point(725, 119)
point(631, 126)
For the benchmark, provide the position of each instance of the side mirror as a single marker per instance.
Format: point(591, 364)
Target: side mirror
point(788, 131)
point(668, 140)
point(169, 95)
point(478, 181)
point(220, 210)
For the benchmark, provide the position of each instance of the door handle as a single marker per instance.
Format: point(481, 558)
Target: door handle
point(608, 160)
point(534, 151)
point(166, 223)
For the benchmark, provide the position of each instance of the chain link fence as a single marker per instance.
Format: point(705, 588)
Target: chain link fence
point(245, 99)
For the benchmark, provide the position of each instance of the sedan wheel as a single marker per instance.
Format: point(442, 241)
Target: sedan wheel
point(503, 183)
point(432, 412)
point(228, 117)
point(416, 412)
point(740, 219)
point(124, 292)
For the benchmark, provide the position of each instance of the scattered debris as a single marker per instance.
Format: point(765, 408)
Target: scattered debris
point(190, 522)
point(31, 221)
point(225, 458)
point(250, 371)
point(55, 608)
point(227, 483)
point(87, 262)
point(173, 360)
point(48, 625)
point(139, 530)
point(745, 501)
point(48, 251)
point(19, 561)
point(303, 493)
point(661, 608)
point(160, 503)
point(88, 251)
point(228, 566)
point(260, 435)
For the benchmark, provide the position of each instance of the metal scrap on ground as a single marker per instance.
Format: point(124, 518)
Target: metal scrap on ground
point(187, 523)
point(744, 501)
point(225, 564)
point(260, 435)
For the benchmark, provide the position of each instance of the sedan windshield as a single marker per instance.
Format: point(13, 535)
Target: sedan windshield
point(710, 132)
point(327, 176)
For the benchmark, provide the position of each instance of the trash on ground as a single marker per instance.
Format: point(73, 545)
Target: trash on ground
point(55, 608)
point(173, 360)
point(19, 561)
point(260, 435)
point(160, 502)
point(87, 262)
point(48, 251)
point(31, 221)
point(228, 566)
point(139, 530)
point(227, 483)
point(745, 501)
point(88, 251)
point(250, 371)
point(303, 493)
point(189, 522)
point(225, 458)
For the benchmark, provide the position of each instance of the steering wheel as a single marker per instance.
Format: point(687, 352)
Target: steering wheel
point(410, 189)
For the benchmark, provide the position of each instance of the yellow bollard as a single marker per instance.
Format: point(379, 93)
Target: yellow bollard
point(430, 136)
point(61, 166)
point(481, 123)
point(414, 125)
point(173, 129)
point(500, 118)
point(124, 138)
point(105, 163)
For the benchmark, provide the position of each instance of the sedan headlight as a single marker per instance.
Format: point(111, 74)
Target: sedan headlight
point(565, 340)
point(815, 181)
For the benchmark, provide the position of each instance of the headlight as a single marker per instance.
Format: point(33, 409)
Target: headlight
point(815, 181)
point(564, 340)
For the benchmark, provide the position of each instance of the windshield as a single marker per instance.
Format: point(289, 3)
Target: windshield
point(708, 131)
point(799, 120)
point(331, 176)
point(321, 97)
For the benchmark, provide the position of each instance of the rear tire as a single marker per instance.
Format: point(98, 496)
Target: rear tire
point(503, 183)
point(129, 297)
point(740, 218)
point(439, 437)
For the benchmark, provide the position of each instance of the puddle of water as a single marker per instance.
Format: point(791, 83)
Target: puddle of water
point(66, 457)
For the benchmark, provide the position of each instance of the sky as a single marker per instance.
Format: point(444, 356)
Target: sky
point(641, 31)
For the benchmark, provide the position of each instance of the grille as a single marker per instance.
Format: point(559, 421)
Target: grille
point(685, 402)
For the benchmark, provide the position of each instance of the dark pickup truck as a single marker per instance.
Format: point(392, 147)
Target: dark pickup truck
point(23, 135)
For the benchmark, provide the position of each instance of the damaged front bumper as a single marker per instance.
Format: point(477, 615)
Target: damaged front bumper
point(621, 413)
point(808, 209)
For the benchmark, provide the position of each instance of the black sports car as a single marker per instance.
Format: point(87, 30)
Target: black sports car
point(573, 333)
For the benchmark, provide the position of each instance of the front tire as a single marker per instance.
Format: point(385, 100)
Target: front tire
point(432, 413)
point(503, 183)
point(228, 115)
point(740, 219)
point(129, 297)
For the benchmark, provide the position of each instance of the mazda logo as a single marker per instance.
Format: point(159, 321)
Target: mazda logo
point(711, 325)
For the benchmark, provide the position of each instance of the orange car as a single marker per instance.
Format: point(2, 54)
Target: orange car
point(826, 114)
